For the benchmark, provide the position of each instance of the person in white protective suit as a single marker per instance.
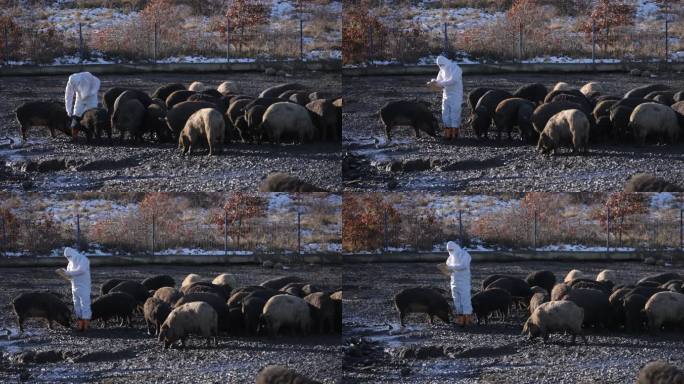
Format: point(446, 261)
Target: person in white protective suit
point(80, 96)
point(459, 265)
point(78, 272)
point(450, 79)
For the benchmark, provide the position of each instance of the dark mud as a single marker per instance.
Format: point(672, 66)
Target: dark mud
point(377, 352)
point(47, 164)
point(488, 165)
point(121, 354)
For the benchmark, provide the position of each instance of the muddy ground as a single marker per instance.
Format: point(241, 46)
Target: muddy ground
point(488, 165)
point(121, 354)
point(377, 352)
point(58, 165)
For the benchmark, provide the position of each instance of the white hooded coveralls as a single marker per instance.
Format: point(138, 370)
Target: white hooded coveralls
point(459, 265)
point(81, 93)
point(78, 270)
point(450, 78)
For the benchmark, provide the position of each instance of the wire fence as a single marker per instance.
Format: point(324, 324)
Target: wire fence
point(292, 232)
point(658, 41)
point(529, 230)
point(138, 40)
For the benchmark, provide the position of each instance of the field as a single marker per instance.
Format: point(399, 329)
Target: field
point(481, 31)
point(58, 165)
point(120, 354)
point(377, 352)
point(488, 165)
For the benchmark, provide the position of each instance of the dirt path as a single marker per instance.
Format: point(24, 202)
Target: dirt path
point(120, 354)
point(488, 165)
point(58, 165)
point(377, 352)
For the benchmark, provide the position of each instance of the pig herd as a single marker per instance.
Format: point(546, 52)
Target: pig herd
point(198, 116)
point(206, 308)
point(560, 117)
point(605, 302)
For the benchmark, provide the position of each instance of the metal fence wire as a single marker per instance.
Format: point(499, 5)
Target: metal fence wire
point(293, 232)
point(418, 232)
point(657, 41)
point(137, 40)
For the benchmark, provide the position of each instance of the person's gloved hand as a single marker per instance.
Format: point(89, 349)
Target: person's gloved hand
point(432, 84)
point(62, 273)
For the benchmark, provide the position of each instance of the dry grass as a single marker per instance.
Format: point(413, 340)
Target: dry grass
point(181, 221)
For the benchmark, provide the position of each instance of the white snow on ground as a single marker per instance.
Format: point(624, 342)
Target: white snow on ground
point(567, 60)
point(448, 207)
point(646, 9)
point(72, 60)
point(201, 252)
point(583, 248)
point(279, 202)
point(91, 19)
point(204, 59)
point(318, 247)
point(281, 8)
point(65, 211)
point(13, 254)
point(458, 19)
point(662, 200)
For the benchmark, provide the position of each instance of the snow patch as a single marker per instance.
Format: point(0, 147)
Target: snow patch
point(662, 200)
point(201, 252)
point(279, 202)
point(583, 248)
point(646, 9)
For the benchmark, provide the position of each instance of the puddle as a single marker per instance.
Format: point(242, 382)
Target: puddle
point(10, 339)
point(390, 338)
point(70, 182)
point(377, 148)
point(10, 346)
point(446, 369)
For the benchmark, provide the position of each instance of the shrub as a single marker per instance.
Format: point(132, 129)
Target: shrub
point(358, 24)
point(605, 17)
point(363, 219)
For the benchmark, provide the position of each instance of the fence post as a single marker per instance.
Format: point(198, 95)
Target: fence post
point(301, 37)
point(238, 232)
point(460, 225)
point(227, 38)
point(370, 43)
point(156, 36)
point(534, 241)
point(4, 233)
point(520, 42)
point(6, 45)
point(681, 229)
point(666, 7)
point(417, 237)
point(80, 40)
point(78, 232)
point(593, 43)
point(446, 38)
point(154, 233)
point(384, 240)
point(608, 232)
point(622, 221)
point(225, 233)
point(299, 233)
